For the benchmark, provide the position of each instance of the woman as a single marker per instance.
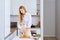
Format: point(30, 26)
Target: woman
point(24, 22)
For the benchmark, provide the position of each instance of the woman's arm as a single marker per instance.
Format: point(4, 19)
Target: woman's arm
point(21, 30)
point(29, 21)
point(19, 18)
point(28, 25)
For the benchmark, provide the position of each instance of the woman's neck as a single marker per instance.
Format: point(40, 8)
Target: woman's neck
point(25, 13)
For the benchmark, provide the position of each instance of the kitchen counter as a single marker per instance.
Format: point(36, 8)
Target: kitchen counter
point(17, 38)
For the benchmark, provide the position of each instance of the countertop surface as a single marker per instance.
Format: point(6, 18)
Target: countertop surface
point(17, 38)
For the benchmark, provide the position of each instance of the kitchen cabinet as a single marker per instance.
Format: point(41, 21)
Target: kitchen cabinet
point(30, 6)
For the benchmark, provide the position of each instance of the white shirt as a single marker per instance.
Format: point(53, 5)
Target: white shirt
point(26, 20)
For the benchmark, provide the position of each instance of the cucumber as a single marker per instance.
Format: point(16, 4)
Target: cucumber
point(38, 35)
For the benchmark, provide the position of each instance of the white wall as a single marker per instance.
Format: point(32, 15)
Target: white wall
point(58, 19)
point(7, 17)
point(41, 18)
point(2, 18)
point(49, 18)
point(15, 4)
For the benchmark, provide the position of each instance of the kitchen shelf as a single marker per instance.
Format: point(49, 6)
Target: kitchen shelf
point(38, 4)
point(31, 14)
point(35, 28)
point(35, 15)
point(13, 14)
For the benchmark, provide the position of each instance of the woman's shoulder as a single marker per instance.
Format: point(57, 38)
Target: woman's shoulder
point(28, 14)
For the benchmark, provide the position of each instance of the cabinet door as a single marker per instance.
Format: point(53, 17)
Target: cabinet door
point(30, 6)
point(7, 17)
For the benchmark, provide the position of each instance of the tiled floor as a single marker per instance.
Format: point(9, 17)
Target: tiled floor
point(49, 38)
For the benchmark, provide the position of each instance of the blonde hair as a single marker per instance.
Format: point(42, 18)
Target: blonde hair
point(20, 15)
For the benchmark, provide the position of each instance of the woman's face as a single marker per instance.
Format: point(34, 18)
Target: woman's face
point(22, 11)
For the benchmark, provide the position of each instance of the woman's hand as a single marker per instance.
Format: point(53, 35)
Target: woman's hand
point(21, 31)
point(27, 31)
